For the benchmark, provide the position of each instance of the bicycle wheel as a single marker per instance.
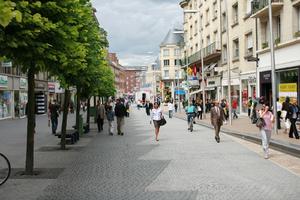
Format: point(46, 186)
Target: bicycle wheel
point(5, 169)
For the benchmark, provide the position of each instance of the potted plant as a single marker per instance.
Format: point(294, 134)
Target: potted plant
point(277, 41)
point(297, 34)
point(264, 45)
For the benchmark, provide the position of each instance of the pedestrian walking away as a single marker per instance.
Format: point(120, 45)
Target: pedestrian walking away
point(217, 118)
point(266, 129)
point(148, 107)
point(120, 112)
point(199, 109)
point(54, 113)
point(234, 108)
point(170, 108)
point(249, 105)
point(293, 116)
point(285, 110)
point(156, 116)
point(110, 118)
point(100, 113)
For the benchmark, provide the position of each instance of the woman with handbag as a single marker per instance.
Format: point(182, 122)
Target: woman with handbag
point(266, 130)
point(156, 116)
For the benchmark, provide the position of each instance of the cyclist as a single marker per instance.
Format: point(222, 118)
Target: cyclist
point(191, 113)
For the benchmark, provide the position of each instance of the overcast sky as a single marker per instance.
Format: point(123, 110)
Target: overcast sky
point(137, 27)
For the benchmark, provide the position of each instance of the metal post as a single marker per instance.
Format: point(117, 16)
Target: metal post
point(202, 68)
point(228, 65)
point(273, 67)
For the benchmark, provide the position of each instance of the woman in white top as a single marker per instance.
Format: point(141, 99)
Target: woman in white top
point(156, 115)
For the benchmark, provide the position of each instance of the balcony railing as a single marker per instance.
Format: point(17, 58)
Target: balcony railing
point(213, 48)
point(258, 6)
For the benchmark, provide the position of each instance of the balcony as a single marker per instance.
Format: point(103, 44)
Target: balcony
point(211, 52)
point(259, 8)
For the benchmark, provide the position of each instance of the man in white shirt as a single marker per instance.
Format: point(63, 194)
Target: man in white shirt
point(170, 108)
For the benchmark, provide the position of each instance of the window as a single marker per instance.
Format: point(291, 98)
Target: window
point(176, 73)
point(278, 29)
point(166, 62)
point(195, 4)
point(166, 52)
point(191, 31)
point(235, 48)
point(224, 20)
point(201, 22)
point(177, 52)
point(196, 47)
point(196, 27)
point(224, 53)
point(192, 50)
point(215, 39)
point(177, 62)
point(207, 17)
point(248, 9)
point(207, 40)
point(249, 44)
point(215, 10)
point(166, 73)
point(235, 14)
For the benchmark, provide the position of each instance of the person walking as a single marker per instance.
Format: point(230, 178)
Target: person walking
point(170, 108)
point(199, 109)
point(176, 107)
point(120, 112)
point(191, 112)
point(249, 105)
point(266, 130)
point(293, 116)
point(234, 108)
point(225, 110)
point(285, 110)
point(217, 118)
point(110, 118)
point(100, 113)
point(148, 107)
point(156, 116)
point(279, 108)
point(54, 114)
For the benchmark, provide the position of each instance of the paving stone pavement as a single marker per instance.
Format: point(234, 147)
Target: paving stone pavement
point(182, 165)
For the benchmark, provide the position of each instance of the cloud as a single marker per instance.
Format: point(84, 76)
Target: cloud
point(137, 27)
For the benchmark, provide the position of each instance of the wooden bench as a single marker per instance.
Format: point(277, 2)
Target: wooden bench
point(71, 135)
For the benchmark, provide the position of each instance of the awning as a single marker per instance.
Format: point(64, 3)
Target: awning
point(196, 91)
point(179, 92)
point(210, 67)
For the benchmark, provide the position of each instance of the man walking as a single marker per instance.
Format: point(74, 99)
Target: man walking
point(100, 113)
point(148, 107)
point(293, 116)
point(54, 109)
point(170, 108)
point(120, 112)
point(279, 108)
point(217, 118)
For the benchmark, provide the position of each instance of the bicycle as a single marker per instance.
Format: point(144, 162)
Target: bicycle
point(5, 169)
point(191, 123)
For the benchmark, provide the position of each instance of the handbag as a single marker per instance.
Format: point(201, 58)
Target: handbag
point(162, 121)
point(260, 123)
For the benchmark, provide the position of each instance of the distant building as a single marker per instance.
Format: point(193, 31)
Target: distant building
point(135, 78)
point(119, 73)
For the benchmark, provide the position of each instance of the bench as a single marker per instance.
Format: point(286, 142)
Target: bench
point(71, 135)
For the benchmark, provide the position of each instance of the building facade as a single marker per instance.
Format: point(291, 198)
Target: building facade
point(119, 74)
point(286, 32)
point(227, 37)
point(135, 78)
point(170, 62)
point(153, 78)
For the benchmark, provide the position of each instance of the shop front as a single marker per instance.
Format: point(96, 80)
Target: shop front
point(234, 91)
point(265, 78)
point(212, 88)
point(6, 99)
point(248, 89)
point(288, 84)
point(20, 97)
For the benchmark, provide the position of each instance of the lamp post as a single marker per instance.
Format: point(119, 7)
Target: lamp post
point(273, 67)
point(201, 57)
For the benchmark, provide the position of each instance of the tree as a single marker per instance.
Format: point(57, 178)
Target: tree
point(8, 12)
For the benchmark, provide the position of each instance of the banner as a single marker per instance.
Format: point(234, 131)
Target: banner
point(287, 90)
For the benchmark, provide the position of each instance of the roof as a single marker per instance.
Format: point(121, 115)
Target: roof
point(173, 38)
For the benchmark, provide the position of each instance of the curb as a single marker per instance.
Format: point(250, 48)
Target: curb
point(274, 144)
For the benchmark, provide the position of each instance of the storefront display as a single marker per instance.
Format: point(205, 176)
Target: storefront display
point(5, 104)
point(287, 84)
point(23, 102)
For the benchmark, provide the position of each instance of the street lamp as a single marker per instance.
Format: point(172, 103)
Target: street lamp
point(273, 67)
point(201, 56)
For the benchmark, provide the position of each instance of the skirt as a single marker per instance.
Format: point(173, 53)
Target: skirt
point(156, 123)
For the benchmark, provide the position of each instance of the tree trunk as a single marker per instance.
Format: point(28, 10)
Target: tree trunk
point(64, 120)
point(77, 109)
point(88, 115)
point(30, 123)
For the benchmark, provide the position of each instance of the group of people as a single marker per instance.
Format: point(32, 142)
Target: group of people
point(118, 109)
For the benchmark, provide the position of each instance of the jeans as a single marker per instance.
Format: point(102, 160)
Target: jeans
point(293, 129)
point(265, 138)
point(170, 113)
point(110, 127)
point(54, 123)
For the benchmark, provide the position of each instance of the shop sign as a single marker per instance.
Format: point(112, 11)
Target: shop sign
point(23, 83)
point(265, 77)
point(6, 64)
point(287, 90)
point(51, 87)
point(3, 81)
point(252, 79)
point(232, 82)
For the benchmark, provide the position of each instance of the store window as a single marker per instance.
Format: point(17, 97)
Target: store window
point(287, 84)
point(5, 104)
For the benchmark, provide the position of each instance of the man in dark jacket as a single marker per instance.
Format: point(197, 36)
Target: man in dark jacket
point(120, 113)
point(54, 113)
point(293, 116)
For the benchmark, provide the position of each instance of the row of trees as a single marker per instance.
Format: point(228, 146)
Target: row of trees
point(63, 38)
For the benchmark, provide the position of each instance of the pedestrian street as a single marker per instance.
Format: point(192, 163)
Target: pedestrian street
point(182, 165)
